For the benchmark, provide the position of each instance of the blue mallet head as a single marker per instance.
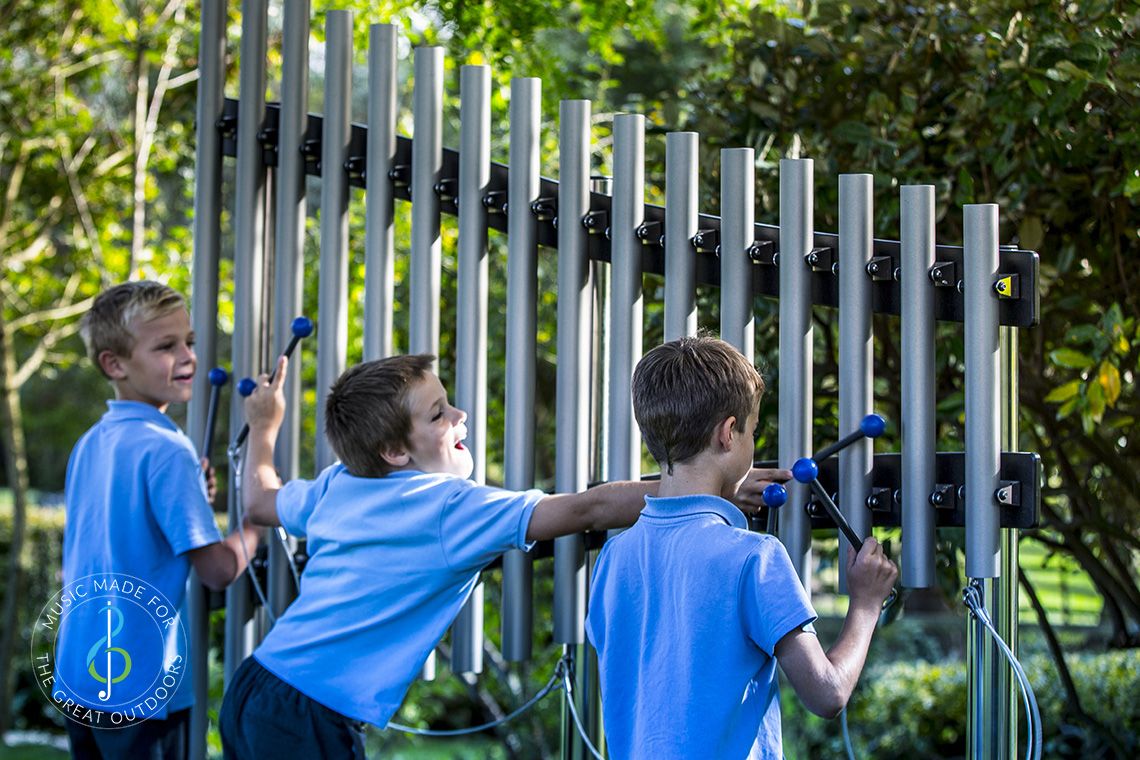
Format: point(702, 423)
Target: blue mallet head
point(218, 377)
point(805, 470)
point(302, 327)
point(873, 425)
point(246, 386)
point(774, 495)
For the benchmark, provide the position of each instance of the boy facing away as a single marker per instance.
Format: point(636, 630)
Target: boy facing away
point(397, 535)
point(138, 513)
point(689, 611)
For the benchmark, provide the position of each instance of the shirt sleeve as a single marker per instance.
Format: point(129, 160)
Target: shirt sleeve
point(298, 498)
point(773, 602)
point(176, 493)
point(478, 523)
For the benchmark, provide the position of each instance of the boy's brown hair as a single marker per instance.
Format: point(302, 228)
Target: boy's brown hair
point(683, 389)
point(366, 412)
point(107, 326)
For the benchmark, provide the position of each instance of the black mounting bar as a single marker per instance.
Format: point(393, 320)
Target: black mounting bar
point(1017, 306)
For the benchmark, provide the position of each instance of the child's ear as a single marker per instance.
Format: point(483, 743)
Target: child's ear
point(722, 434)
point(396, 457)
point(112, 365)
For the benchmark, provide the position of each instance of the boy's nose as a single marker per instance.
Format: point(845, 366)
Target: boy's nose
point(461, 417)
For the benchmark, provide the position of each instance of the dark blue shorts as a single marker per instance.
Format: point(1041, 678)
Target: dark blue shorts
point(264, 718)
point(152, 739)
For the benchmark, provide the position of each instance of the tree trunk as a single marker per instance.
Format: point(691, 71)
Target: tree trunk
point(16, 470)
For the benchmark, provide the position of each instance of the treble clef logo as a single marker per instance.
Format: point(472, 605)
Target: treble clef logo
point(104, 645)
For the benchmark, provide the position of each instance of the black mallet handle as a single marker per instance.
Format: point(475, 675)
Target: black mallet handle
point(836, 516)
point(302, 328)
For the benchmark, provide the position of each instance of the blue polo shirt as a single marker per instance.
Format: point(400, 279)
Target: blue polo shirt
point(136, 503)
point(686, 609)
point(391, 561)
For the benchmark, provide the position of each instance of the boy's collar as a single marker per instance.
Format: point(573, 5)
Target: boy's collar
point(137, 410)
point(695, 504)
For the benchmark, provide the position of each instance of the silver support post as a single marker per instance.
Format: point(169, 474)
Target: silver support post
point(204, 311)
point(856, 244)
point(737, 210)
point(919, 435)
point(797, 229)
point(625, 323)
point(572, 407)
point(1004, 589)
point(379, 211)
point(332, 293)
point(988, 684)
point(249, 238)
point(425, 258)
point(522, 277)
point(289, 262)
point(681, 219)
point(471, 316)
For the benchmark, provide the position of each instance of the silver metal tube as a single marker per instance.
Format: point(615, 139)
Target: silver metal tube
point(332, 293)
point(471, 317)
point(249, 238)
point(983, 422)
point(572, 387)
point(919, 434)
point(628, 212)
point(204, 313)
point(425, 259)
point(681, 219)
point(427, 162)
point(1004, 589)
point(737, 212)
point(289, 239)
point(856, 244)
point(379, 211)
point(522, 276)
point(797, 228)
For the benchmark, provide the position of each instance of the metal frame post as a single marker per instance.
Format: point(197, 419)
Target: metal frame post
point(379, 206)
point(738, 211)
point(681, 224)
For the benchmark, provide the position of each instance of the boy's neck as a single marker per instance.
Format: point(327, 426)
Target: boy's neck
point(700, 477)
point(122, 394)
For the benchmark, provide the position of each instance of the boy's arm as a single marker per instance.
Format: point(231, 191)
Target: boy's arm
point(264, 411)
point(219, 564)
point(610, 505)
point(824, 680)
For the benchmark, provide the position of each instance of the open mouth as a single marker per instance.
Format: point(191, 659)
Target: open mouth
point(184, 378)
point(460, 438)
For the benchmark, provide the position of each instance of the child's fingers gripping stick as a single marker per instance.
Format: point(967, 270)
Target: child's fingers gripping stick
point(871, 575)
point(265, 407)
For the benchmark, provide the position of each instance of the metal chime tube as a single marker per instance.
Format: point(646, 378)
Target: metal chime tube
point(379, 211)
point(522, 282)
point(471, 316)
point(919, 436)
point(797, 228)
point(856, 244)
point(681, 220)
point(249, 255)
point(737, 209)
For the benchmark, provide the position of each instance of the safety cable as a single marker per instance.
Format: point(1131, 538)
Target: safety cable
point(846, 734)
point(574, 712)
point(551, 685)
point(234, 455)
point(972, 598)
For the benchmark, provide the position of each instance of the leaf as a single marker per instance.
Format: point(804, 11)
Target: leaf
point(1064, 392)
point(1070, 358)
point(1109, 378)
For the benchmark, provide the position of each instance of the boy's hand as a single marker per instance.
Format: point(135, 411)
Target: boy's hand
point(211, 480)
point(265, 407)
point(748, 498)
point(870, 575)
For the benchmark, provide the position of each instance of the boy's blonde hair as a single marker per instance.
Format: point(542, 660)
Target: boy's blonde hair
point(107, 326)
point(366, 412)
point(683, 389)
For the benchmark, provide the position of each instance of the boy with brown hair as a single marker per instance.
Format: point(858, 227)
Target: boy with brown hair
point(138, 518)
point(689, 611)
point(397, 535)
